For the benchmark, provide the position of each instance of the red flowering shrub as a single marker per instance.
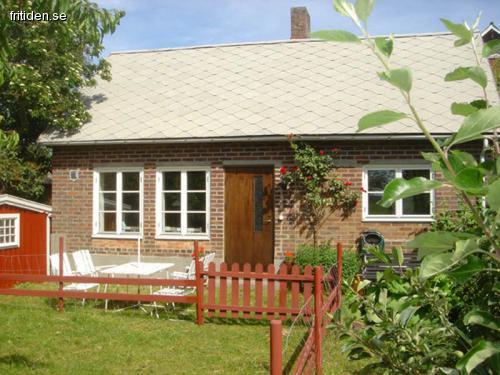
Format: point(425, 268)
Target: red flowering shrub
point(316, 186)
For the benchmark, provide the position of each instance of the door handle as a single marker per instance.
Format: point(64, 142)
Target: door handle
point(268, 221)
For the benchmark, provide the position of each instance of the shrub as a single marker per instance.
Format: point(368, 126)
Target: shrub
point(326, 256)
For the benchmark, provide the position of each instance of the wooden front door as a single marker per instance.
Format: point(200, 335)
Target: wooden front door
point(249, 215)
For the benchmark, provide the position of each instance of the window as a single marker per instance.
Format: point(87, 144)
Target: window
point(183, 202)
point(9, 230)
point(118, 207)
point(416, 208)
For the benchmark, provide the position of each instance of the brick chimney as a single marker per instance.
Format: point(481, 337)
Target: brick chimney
point(301, 23)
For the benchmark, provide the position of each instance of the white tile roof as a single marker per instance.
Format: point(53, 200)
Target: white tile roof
point(271, 89)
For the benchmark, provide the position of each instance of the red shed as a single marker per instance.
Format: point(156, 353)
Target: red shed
point(24, 236)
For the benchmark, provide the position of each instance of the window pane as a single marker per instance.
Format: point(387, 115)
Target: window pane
point(130, 202)
point(172, 223)
point(172, 181)
point(130, 222)
point(196, 201)
point(410, 173)
point(196, 180)
point(377, 179)
point(417, 205)
point(107, 222)
point(375, 209)
point(108, 181)
point(107, 202)
point(172, 201)
point(196, 223)
point(130, 181)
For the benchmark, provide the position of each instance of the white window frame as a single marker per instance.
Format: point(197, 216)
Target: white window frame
point(398, 216)
point(16, 218)
point(184, 235)
point(119, 222)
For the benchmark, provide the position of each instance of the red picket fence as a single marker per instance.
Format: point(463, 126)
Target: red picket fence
point(278, 295)
point(324, 307)
point(282, 295)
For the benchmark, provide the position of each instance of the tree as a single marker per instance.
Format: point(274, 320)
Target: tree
point(403, 309)
point(43, 67)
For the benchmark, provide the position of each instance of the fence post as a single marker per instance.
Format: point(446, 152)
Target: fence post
point(318, 318)
point(61, 273)
point(339, 274)
point(276, 347)
point(199, 284)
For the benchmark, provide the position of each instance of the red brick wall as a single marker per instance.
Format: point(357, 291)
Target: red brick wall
point(72, 200)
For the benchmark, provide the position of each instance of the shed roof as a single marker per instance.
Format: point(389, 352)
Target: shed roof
point(6, 199)
point(267, 90)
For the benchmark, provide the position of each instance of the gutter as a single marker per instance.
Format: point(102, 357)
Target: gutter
point(273, 138)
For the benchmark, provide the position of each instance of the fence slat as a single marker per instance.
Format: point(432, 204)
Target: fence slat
point(235, 289)
point(308, 292)
point(211, 288)
point(258, 290)
point(247, 268)
point(295, 287)
point(222, 289)
point(270, 291)
point(283, 289)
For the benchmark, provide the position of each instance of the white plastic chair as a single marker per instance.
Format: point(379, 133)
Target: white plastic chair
point(67, 271)
point(85, 265)
point(188, 274)
point(207, 259)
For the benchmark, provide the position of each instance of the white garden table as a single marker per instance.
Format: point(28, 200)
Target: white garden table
point(138, 269)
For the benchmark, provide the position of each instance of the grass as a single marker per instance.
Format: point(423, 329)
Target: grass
point(36, 339)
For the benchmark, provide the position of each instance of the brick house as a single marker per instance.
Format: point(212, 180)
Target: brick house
point(187, 143)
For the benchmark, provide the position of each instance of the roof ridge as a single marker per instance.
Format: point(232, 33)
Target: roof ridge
point(236, 44)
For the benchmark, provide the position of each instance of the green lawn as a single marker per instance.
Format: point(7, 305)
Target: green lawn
point(35, 338)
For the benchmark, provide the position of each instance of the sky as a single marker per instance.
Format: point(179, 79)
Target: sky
point(151, 24)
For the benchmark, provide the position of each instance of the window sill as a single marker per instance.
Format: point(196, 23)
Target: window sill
point(398, 219)
point(117, 236)
point(10, 246)
point(180, 237)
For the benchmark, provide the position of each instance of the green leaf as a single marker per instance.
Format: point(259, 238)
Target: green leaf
point(459, 30)
point(493, 196)
point(364, 8)
point(430, 156)
point(462, 109)
point(470, 179)
point(400, 188)
point(434, 264)
point(482, 318)
point(344, 8)
point(464, 248)
point(436, 242)
point(397, 254)
point(476, 73)
point(491, 48)
point(336, 36)
point(477, 355)
point(379, 118)
point(406, 314)
point(463, 273)
point(385, 45)
point(401, 78)
point(461, 159)
point(476, 124)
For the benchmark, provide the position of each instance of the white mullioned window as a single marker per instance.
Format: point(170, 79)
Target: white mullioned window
point(417, 208)
point(9, 231)
point(118, 202)
point(183, 202)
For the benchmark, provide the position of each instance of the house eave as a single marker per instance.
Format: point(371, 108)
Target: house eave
point(273, 138)
point(10, 200)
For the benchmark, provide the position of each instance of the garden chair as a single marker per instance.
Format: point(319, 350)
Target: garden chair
point(85, 265)
point(207, 259)
point(67, 271)
point(188, 274)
